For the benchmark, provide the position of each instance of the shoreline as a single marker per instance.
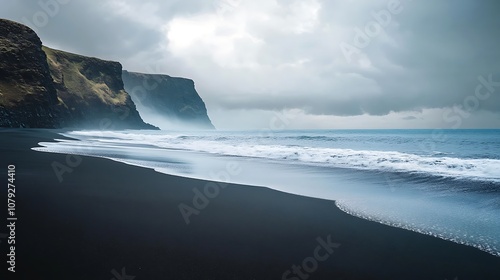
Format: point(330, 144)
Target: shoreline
point(412, 229)
point(106, 215)
point(275, 166)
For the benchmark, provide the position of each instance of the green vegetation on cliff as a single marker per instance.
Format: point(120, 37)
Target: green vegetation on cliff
point(91, 92)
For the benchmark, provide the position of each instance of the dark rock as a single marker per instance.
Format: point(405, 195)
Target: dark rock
point(27, 95)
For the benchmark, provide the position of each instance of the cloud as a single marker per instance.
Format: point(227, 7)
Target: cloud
point(409, 118)
point(278, 55)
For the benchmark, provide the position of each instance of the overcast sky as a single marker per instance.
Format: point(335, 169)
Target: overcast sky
point(305, 63)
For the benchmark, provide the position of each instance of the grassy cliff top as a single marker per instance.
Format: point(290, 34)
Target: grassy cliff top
point(87, 77)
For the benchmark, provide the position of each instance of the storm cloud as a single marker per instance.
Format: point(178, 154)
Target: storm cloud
point(374, 58)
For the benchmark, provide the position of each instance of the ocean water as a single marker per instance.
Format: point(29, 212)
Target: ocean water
point(444, 183)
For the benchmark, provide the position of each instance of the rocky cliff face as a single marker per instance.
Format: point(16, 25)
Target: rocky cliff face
point(28, 97)
point(174, 99)
point(46, 88)
point(91, 92)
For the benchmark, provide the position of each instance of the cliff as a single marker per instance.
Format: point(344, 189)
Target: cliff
point(174, 99)
point(28, 97)
point(91, 92)
point(45, 88)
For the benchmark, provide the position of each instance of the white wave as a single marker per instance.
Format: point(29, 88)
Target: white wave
point(460, 168)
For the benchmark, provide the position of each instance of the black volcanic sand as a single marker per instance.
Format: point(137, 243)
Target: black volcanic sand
point(106, 216)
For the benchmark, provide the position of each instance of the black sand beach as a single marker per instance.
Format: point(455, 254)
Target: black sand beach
point(107, 216)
